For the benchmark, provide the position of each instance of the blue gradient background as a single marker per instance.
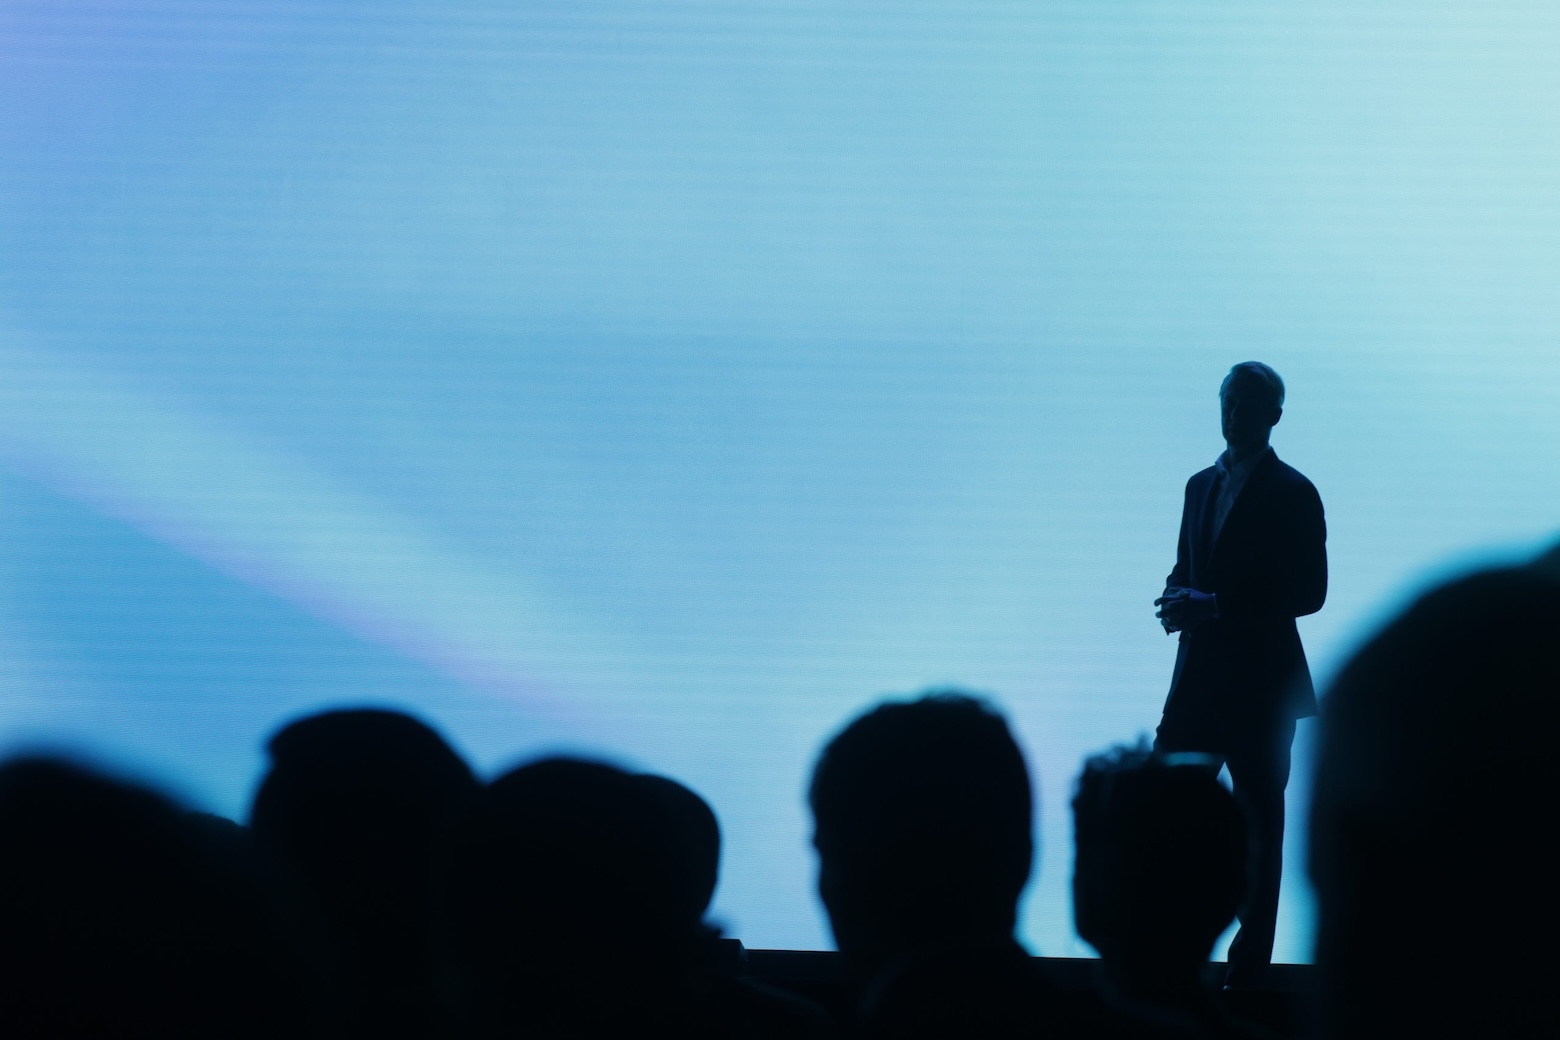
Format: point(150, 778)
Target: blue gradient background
point(671, 379)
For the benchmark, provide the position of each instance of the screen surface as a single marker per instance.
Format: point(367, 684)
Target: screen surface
point(669, 381)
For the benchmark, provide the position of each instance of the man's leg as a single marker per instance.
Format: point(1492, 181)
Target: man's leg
point(1260, 772)
point(1175, 735)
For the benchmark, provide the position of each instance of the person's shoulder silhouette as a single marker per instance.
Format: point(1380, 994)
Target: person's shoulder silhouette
point(749, 1008)
point(126, 916)
point(1432, 819)
point(357, 811)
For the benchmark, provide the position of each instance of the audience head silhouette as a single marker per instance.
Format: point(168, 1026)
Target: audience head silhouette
point(1432, 820)
point(125, 916)
point(357, 811)
point(923, 827)
point(1161, 865)
point(560, 857)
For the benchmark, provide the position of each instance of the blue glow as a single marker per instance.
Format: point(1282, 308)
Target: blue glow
point(672, 379)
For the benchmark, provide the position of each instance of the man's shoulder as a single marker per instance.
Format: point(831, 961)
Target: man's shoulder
point(1202, 478)
point(1284, 475)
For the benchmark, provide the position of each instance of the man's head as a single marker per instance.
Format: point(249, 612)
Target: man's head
point(360, 793)
point(357, 810)
point(923, 827)
point(1251, 401)
point(1432, 823)
point(569, 900)
point(1162, 858)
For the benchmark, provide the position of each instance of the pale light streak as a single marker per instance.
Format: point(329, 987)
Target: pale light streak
point(280, 523)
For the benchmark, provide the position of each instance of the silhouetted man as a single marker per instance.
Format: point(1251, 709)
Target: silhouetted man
point(1252, 558)
point(570, 921)
point(1160, 870)
point(357, 813)
point(1433, 819)
point(923, 829)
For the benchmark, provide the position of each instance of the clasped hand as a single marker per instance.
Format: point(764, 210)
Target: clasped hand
point(1184, 609)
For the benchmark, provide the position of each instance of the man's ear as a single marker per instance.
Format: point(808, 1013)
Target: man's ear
point(1278, 413)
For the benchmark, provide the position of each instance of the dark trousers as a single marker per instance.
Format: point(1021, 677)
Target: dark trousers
point(1258, 761)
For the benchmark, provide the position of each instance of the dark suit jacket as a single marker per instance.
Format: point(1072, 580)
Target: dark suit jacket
point(1246, 669)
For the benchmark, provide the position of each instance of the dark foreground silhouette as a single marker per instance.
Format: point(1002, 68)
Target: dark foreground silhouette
point(356, 815)
point(562, 858)
point(123, 916)
point(1433, 824)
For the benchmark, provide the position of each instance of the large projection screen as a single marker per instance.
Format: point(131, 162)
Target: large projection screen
point(667, 381)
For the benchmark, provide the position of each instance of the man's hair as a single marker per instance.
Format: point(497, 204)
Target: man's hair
point(1162, 854)
point(923, 807)
point(1260, 378)
point(560, 859)
point(1432, 824)
point(359, 792)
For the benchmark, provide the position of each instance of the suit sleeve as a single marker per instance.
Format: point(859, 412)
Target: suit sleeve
point(1293, 581)
point(1181, 574)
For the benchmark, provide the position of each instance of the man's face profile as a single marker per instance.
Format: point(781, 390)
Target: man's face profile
point(1244, 415)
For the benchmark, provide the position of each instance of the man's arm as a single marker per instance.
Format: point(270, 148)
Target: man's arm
point(1180, 574)
point(1179, 579)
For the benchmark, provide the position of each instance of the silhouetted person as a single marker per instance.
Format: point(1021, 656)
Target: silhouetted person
point(357, 811)
point(1161, 866)
point(1433, 820)
point(573, 911)
point(121, 915)
point(1252, 558)
point(923, 829)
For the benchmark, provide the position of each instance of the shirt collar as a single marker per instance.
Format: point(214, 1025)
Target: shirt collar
point(1242, 471)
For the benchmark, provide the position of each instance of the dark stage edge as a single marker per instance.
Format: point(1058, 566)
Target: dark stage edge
point(825, 966)
point(1283, 1005)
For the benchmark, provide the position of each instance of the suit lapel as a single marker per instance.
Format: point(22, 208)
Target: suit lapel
point(1242, 504)
point(1205, 542)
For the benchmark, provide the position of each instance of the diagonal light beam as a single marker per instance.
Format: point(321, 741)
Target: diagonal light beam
point(277, 522)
